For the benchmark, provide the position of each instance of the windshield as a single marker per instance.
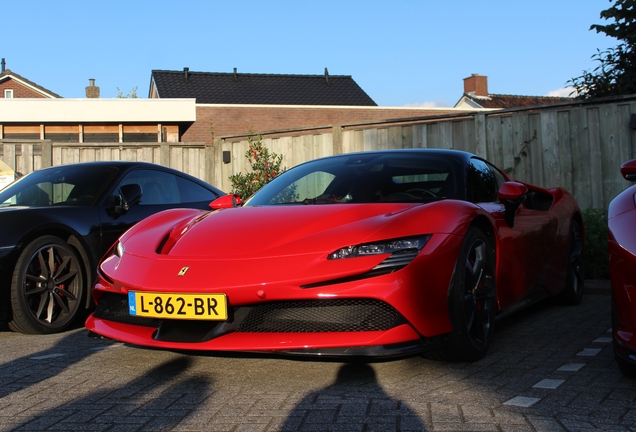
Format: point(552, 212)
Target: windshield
point(365, 178)
point(64, 185)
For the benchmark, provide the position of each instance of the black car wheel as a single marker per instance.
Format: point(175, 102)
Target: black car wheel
point(47, 287)
point(575, 280)
point(472, 299)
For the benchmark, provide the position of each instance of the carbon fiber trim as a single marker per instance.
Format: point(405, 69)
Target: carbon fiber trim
point(114, 307)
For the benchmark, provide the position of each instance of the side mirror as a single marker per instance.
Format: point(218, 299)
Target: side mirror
point(628, 170)
point(226, 201)
point(511, 195)
point(129, 195)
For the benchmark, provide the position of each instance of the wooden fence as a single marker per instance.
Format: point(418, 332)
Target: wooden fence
point(26, 156)
point(578, 146)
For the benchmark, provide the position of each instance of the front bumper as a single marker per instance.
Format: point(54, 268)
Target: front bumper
point(324, 328)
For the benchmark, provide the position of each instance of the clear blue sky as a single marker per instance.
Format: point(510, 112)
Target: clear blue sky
point(401, 52)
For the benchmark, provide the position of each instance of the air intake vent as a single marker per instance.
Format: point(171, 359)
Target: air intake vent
point(338, 315)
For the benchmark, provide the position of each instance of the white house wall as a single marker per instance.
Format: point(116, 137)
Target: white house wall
point(97, 110)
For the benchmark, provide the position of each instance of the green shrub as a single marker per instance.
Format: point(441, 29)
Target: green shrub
point(265, 167)
point(596, 257)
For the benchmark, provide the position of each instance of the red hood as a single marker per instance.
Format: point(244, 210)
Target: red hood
point(270, 231)
point(252, 246)
point(284, 230)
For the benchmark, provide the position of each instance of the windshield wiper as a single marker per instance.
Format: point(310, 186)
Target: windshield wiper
point(307, 201)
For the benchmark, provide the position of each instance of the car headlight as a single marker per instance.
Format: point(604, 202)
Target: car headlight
point(409, 245)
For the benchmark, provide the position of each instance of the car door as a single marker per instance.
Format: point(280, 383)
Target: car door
point(161, 191)
point(524, 248)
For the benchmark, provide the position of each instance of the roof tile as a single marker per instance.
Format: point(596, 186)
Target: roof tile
point(261, 89)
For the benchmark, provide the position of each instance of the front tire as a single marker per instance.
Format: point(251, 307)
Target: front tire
point(472, 299)
point(572, 294)
point(47, 287)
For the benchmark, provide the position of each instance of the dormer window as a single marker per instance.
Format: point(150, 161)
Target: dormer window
point(8, 94)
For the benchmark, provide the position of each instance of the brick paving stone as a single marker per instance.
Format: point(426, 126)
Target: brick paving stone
point(102, 385)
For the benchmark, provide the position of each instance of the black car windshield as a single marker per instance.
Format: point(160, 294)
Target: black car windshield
point(365, 178)
point(63, 185)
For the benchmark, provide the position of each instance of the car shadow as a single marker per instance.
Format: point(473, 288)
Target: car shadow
point(62, 355)
point(355, 401)
point(157, 400)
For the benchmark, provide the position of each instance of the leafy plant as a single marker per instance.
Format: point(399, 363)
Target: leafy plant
point(131, 95)
point(265, 167)
point(596, 256)
point(616, 73)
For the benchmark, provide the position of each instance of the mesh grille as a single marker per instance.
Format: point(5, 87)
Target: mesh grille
point(114, 307)
point(338, 315)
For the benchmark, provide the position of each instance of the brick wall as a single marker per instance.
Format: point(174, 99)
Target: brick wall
point(217, 121)
point(19, 90)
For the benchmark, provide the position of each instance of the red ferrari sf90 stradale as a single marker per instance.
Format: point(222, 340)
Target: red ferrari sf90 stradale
point(622, 256)
point(383, 253)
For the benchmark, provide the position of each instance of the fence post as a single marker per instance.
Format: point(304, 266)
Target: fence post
point(480, 135)
point(209, 153)
point(47, 154)
point(164, 154)
point(336, 133)
point(9, 155)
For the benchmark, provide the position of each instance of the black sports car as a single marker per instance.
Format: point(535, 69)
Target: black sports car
point(56, 223)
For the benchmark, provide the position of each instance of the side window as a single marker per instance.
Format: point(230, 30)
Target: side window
point(192, 192)
point(498, 176)
point(313, 185)
point(158, 187)
point(482, 183)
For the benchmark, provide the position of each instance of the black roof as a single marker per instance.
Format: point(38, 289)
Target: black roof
point(260, 89)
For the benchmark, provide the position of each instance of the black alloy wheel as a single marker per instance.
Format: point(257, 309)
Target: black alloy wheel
point(472, 299)
point(47, 287)
point(572, 293)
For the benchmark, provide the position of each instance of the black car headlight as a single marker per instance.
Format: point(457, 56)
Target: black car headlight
point(408, 245)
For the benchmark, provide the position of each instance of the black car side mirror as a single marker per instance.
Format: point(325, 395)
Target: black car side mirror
point(511, 195)
point(129, 195)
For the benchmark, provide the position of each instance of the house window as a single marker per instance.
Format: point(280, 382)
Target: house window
point(8, 94)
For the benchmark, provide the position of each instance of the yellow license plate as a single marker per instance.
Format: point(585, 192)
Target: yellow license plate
point(178, 305)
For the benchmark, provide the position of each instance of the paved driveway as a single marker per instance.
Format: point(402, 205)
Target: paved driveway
point(550, 368)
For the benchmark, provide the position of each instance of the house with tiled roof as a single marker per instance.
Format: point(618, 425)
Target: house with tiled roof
point(236, 103)
point(476, 96)
point(13, 85)
point(30, 112)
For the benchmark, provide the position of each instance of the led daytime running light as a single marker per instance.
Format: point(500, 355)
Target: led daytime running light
point(414, 244)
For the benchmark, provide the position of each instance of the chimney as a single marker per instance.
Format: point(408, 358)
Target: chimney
point(476, 84)
point(92, 91)
point(4, 65)
point(186, 72)
point(326, 76)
